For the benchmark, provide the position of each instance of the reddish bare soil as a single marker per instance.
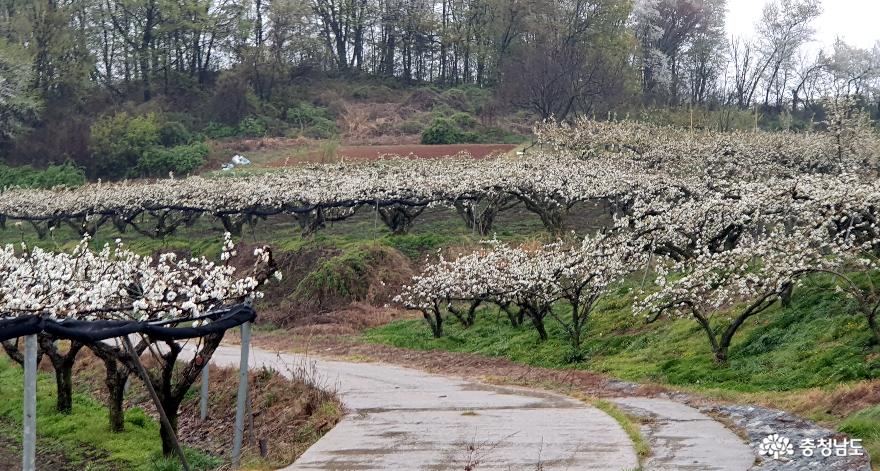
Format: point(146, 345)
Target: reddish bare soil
point(427, 151)
point(478, 151)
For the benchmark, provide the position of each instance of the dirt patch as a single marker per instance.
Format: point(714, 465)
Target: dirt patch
point(263, 143)
point(288, 415)
point(365, 153)
point(849, 399)
point(318, 281)
point(348, 321)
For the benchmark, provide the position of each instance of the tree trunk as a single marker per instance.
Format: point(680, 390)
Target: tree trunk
point(233, 223)
point(721, 354)
point(435, 322)
point(64, 389)
point(171, 407)
point(399, 218)
point(116, 387)
point(515, 318)
point(115, 377)
point(310, 222)
point(551, 212)
point(62, 363)
point(875, 326)
point(786, 295)
point(537, 319)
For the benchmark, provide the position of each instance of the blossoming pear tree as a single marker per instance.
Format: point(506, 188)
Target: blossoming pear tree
point(721, 290)
point(114, 283)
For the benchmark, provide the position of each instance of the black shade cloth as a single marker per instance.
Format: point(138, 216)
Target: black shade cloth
point(94, 331)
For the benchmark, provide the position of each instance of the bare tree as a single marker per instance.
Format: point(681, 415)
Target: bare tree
point(785, 26)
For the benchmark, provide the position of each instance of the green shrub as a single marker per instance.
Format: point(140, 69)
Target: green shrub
point(55, 175)
point(415, 246)
point(323, 129)
point(464, 121)
point(306, 114)
point(173, 133)
point(373, 92)
point(443, 131)
point(158, 161)
point(137, 417)
point(863, 424)
point(219, 130)
point(118, 141)
point(312, 121)
point(252, 127)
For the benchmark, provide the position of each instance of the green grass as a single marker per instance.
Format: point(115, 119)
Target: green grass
point(865, 424)
point(86, 429)
point(631, 428)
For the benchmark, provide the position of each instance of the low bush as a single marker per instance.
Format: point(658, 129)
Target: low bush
point(252, 127)
point(119, 140)
point(173, 133)
point(55, 175)
point(464, 121)
point(369, 272)
point(125, 146)
point(181, 160)
point(443, 131)
point(216, 130)
point(312, 121)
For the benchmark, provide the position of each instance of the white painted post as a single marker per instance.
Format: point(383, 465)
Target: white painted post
point(242, 394)
point(29, 440)
point(203, 394)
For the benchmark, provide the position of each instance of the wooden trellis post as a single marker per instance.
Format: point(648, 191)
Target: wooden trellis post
point(163, 419)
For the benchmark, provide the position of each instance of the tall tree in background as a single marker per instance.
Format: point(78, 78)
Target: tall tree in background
point(571, 55)
point(18, 104)
point(679, 42)
point(343, 26)
point(55, 35)
point(137, 23)
point(785, 26)
point(854, 71)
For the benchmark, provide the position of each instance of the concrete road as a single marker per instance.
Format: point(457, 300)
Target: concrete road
point(404, 419)
point(682, 438)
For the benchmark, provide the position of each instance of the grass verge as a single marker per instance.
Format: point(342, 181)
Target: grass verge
point(83, 437)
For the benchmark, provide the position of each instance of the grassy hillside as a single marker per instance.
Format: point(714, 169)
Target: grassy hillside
point(808, 357)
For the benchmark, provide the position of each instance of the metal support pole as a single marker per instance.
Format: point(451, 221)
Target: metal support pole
point(163, 419)
point(29, 440)
point(242, 394)
point(203, 394)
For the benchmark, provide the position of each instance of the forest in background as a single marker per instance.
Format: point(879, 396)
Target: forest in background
point(134, 88)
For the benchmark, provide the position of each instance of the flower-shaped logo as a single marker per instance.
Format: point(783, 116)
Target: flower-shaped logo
point(777, 446)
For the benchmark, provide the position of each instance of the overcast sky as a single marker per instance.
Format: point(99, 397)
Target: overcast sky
point(854, 21)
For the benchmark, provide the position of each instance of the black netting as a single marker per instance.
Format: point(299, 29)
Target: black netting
point(93, 331)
